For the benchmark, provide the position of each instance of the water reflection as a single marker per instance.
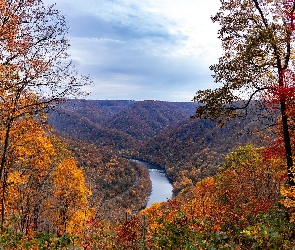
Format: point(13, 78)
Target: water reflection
point(161, 187)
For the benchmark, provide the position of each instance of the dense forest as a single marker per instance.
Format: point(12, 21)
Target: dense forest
point(226, 190)
point(158, 132)
point(67, 175)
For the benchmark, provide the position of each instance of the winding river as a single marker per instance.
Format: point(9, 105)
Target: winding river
point(161, 187)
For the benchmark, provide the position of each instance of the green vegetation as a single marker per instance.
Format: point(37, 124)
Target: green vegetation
point(73, 187)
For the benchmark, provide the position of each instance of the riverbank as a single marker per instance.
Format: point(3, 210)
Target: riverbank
point(136, 196)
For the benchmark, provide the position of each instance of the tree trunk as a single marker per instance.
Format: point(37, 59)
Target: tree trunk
point(287, 143)
point(2, 170)
point(3, 202)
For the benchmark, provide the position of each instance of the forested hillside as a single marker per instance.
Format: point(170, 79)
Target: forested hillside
point(192, 149)
point(81, 127)
point(67, 175)
point(118, 121)
point(226, 193)
point(146, 119)
point(158, 132)
point(113, 180)
point(98, 111)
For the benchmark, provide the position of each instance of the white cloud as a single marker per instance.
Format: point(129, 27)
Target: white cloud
point(135, 48)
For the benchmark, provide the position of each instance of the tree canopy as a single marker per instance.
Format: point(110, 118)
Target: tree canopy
point(256, 70)
point(35, 69)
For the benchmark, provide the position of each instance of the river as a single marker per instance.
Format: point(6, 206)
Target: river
point(161, 187)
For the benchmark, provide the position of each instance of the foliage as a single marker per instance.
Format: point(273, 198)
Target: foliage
point(70, 197)
point(41, 179)
point(288, 194)
point(35, 73)
point(256, 71)
point(270, 231)
point(117, 184)
point(46, 201)
point(10, 240)
point(237, 209)
point(188, 154)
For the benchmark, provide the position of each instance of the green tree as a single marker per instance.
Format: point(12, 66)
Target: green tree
point(256, 71)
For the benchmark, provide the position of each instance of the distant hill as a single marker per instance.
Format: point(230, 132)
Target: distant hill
point(119, 124)
point(79, 126)
point(97, 111)
point(156, 131)
point(146, 119)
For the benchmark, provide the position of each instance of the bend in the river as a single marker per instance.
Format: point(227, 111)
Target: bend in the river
point(161, 186)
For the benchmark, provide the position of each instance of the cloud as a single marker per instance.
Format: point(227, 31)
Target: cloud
point(143, 49)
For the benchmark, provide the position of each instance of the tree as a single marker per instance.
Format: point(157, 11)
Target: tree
point(256, 71)
point(69, 201)
point(35, 70)
point(27, 176)
point(43, 187)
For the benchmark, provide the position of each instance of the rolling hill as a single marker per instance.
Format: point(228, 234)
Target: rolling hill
point(156, 131)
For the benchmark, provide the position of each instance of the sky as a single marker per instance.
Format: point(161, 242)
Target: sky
point(143, 49)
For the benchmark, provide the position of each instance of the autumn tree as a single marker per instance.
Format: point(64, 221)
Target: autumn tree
point(256, 71)
point(70, 195)
point(43, 189)
point(35, 70)
point(27, 177)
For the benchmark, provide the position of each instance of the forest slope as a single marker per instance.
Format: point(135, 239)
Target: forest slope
point(192, 149)
point(78, 126)
point(159, 132)
point(146, 119)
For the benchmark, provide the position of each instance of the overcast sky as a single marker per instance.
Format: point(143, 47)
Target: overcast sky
point(143, 49)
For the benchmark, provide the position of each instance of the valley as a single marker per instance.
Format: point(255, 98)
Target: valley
point(215, 173)
point(153, 131)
